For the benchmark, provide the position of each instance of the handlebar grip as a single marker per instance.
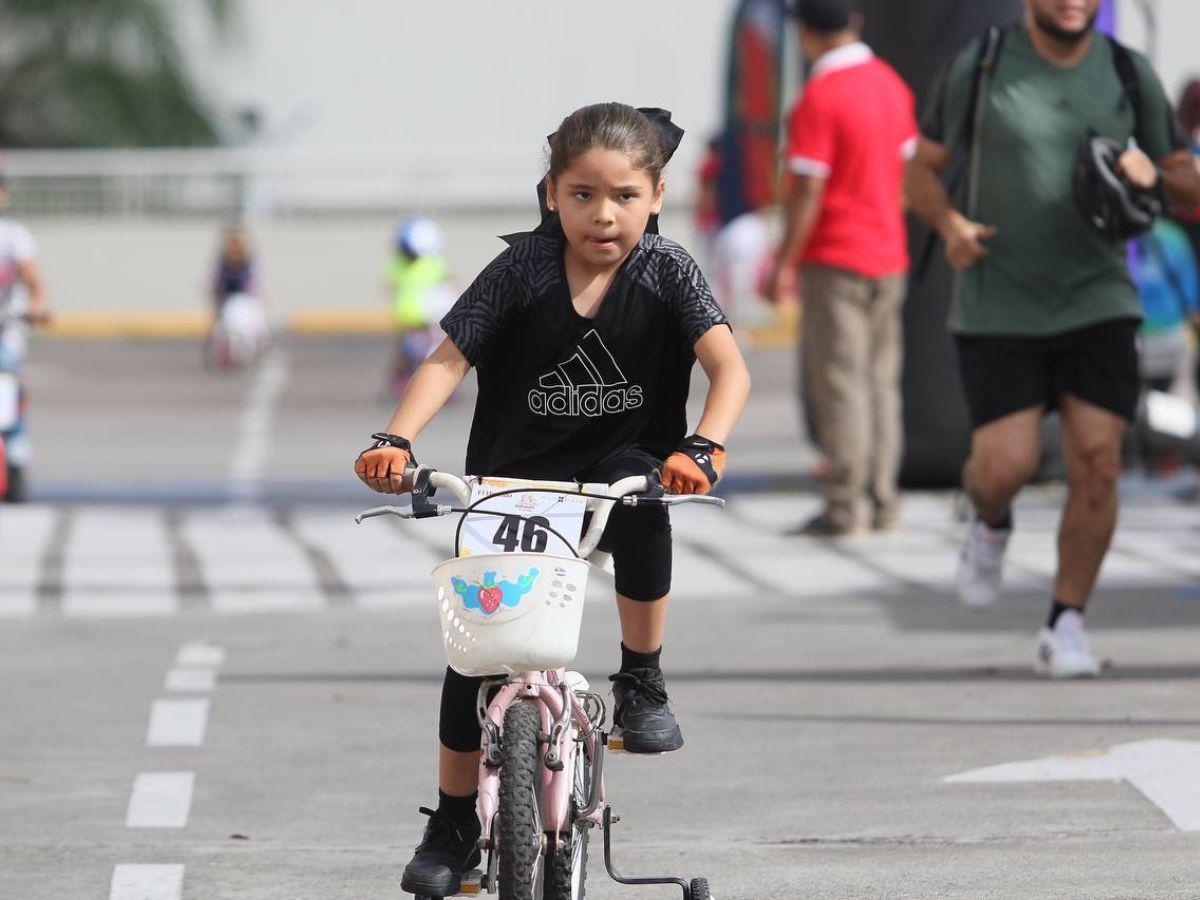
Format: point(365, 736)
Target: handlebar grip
point(674, 500)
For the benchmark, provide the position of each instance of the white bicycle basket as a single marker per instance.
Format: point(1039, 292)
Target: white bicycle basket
point(504, 613)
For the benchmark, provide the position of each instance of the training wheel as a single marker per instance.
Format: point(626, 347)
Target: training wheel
point(699, 889)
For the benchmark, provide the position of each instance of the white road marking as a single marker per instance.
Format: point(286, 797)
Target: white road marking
point(254, 430)
point(144, 882)
point(1166, 771)
point(180, 680)
point(160, 800)
point(200, 654)
point(249, 563)
point(177, 723)
point(118, 562)
point(24, 532)
point(382, 566)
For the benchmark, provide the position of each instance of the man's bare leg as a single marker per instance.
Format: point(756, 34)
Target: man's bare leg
point(1004, 457)
point(1092, 445)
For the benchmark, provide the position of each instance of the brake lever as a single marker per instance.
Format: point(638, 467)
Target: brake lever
point(429, 511)
point(400, 511)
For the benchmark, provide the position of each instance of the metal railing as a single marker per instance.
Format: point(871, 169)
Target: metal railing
point(232, 182)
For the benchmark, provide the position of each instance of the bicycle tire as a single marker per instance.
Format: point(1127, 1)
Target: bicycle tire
point(699, 889)
point(520, 814)
point(566, 868)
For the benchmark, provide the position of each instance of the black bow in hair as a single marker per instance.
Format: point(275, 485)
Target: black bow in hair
point(669, 134)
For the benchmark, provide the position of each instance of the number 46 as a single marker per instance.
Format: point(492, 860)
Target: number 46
point(529, 533)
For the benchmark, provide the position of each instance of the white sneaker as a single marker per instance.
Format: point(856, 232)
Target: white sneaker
point(981, 563)
point(1063, 650)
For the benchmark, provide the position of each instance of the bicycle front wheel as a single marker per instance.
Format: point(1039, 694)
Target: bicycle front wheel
point(521, 845)
point(566, 867)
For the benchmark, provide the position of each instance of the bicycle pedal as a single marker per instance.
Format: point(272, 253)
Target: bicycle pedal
point(470, 884)
point(616, 744)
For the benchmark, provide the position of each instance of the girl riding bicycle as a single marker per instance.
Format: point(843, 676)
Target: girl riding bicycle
point(583, 334)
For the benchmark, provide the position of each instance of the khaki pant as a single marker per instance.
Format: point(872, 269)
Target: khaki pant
point(852, 352)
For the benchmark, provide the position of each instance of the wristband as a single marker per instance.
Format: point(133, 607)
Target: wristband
point(383, 439)
point(701, 451)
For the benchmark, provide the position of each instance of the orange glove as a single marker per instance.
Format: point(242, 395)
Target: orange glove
point(695, 467)
point(381, 468)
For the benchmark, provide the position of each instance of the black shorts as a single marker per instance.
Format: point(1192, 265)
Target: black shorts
point(638, 537)
point(1002, 374)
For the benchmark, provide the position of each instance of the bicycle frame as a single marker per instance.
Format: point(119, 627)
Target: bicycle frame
point(562, 713)
point(562, 709)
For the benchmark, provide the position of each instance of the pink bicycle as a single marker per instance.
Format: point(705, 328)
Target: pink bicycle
point(515, 618)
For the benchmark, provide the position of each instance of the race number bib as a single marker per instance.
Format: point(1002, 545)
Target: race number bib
point(524, 522)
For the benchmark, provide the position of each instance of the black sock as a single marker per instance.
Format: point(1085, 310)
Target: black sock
point(1057, 608)
point(461, 809)
point(1005, 522)
point(632, 660)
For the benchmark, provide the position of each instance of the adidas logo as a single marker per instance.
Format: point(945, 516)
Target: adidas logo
point(588, 383)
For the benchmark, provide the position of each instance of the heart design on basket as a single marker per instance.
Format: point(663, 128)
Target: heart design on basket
point(489, 598)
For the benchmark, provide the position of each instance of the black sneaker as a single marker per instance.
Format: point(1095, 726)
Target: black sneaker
point(448, 849)
point(640, 710)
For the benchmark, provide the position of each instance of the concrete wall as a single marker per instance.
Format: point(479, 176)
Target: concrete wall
point(1174, 51)
point(484, 80)
point(155, 265)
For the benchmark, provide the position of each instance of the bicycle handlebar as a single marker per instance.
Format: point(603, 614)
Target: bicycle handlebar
point(625, 491)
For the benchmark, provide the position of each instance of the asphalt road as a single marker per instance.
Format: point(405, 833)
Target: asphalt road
point(245, 694)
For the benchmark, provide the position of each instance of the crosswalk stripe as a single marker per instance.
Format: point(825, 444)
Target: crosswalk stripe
point(114, 561)
point(249, 563)
point(25, 532)
point(382, 566)
point(118, 562)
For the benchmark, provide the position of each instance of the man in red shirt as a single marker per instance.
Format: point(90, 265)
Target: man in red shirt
point(851, 132)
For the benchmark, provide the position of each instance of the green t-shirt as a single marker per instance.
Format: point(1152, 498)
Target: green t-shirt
point(1048, 270)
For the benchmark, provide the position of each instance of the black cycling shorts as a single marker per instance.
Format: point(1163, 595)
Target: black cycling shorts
point(638, 537)
point(1003, 374)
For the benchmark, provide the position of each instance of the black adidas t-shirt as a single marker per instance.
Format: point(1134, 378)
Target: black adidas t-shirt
point(559, 393)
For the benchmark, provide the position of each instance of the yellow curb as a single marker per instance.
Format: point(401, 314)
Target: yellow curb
point(349, 320)
point(175, 324)
point(784, 331)
point(781, 333)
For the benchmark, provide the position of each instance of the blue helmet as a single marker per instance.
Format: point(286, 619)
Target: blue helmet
point(418, 237)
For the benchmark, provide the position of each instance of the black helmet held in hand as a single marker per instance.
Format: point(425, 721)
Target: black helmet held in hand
point(1116, 208)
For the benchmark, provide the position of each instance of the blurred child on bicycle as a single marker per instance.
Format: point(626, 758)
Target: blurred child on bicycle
point(415, 279)
point(233, 274)
point(583, 334)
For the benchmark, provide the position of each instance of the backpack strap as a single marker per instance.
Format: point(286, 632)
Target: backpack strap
point(990, 46)
point(1131, 85)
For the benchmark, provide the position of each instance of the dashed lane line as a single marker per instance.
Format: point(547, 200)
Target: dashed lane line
point(200, 654)
point(181, 680)
point(160, 800)
point(146, 882)
point(254, 429)
point(177, 723)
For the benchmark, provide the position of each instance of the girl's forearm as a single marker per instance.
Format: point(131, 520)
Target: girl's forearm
point(431, 386)
point(729, 387)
